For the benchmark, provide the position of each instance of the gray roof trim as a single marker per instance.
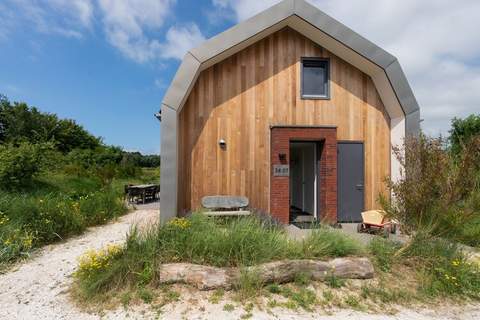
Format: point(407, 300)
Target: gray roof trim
point(402, 88)
point(243, 31)
point(271, 20)
point(343, 34)
point(182, 83)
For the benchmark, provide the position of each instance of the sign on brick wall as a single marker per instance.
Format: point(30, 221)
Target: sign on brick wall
point(281, 170)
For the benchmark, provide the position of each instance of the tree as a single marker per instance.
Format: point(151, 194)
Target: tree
point(21, 123)
point(463, 130)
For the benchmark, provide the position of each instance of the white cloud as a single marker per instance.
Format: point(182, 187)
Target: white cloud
point(128, 24)
point(134, 27)
point(179, 40)
point(436, 41)
point(67, 18)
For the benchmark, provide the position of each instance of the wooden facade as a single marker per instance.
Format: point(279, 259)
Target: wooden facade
point(240, 98)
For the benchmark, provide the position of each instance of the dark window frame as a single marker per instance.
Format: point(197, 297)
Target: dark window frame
point(327, 95)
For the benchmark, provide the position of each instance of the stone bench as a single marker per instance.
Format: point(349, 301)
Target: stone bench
point(225, 205)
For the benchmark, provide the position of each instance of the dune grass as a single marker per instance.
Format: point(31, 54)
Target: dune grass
point(234, 242)
point(56, 206)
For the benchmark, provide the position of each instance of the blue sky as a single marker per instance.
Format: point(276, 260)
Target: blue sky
point(107, 63)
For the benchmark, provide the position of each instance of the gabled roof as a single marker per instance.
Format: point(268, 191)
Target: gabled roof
point(322, 29)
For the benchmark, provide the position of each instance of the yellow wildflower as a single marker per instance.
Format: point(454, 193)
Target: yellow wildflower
point(180, 223)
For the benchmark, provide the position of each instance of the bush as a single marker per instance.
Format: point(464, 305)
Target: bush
point(462, 131)
point(437, 194)
point(20, 164)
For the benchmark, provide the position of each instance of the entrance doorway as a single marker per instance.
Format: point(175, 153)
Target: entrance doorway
point(303, 182)
point(319, 201)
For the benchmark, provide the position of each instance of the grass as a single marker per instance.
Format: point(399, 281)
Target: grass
point(383, 251)
point(236, 242)
point(444, 269)
point(228, 307)
point(441, 269)
point(57, 206)
point(424, 270)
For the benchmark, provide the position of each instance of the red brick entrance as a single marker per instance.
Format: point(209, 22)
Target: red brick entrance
point(280, 155)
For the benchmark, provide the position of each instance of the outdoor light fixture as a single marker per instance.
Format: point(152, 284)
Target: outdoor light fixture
point(282, 156)
point(222, 143)
point(158, 115)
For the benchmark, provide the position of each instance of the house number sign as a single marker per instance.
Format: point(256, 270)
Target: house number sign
point(281, 170)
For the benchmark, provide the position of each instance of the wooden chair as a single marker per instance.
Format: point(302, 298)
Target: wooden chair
point(225, 205)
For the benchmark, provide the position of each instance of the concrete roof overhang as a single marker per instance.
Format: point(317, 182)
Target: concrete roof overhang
point(322, 29)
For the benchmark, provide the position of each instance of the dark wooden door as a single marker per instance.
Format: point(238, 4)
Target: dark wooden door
point(350, 181)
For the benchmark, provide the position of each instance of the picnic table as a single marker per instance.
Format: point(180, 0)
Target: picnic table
point(142, 192)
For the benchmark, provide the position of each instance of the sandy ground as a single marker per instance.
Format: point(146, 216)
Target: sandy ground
point(38, 289)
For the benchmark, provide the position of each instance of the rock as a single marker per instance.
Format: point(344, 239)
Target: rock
point(209, 278)
point(286, 270)
point(202, 277)
point(352, 268)
point(224, 202)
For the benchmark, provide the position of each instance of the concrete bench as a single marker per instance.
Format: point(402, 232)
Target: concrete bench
point(225, 205)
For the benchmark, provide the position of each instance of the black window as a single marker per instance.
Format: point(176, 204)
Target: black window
point(315, 78)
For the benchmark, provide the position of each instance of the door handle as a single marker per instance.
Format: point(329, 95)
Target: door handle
point(359, 186)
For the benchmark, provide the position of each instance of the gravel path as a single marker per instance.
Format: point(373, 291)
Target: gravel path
point(38, 289)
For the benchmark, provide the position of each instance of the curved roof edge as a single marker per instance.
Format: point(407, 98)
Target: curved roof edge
point(301, 16)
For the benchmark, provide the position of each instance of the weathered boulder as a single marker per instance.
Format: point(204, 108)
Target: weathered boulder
point(202, 277)
point(352, 268)
point(208, 278)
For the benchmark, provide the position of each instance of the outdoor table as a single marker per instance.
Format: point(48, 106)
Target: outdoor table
point(142, 190)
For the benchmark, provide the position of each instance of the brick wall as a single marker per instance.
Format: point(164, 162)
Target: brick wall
point(327, 188)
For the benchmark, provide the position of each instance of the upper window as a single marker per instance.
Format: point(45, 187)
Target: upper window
point(315, 78)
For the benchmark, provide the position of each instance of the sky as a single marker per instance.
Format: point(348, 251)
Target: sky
point(108, 63)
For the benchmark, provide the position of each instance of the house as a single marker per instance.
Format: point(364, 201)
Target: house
point(290, 108)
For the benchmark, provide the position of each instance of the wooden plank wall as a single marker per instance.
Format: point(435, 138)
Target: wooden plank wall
point(239, 98)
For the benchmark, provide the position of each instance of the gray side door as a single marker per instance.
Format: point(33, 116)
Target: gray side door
point(350, 181)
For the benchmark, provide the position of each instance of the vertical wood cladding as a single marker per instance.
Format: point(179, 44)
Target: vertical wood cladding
point(239, 99)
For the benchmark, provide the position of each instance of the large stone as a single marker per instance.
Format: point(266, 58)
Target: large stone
point(224, 202)
point(352, 268)
point(208, 278)
point(199, 276)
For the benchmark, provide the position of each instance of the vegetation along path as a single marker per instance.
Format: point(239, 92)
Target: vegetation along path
point(38, 289)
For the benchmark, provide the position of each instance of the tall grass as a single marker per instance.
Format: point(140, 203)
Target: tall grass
point(58, 206)
point(443, 268)
point(236, 242)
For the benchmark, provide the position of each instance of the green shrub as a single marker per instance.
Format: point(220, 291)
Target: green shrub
point(20, 164)
point(437, 194)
